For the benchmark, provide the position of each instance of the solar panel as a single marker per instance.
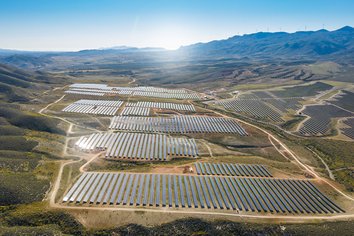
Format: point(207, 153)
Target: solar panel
point(127, 192)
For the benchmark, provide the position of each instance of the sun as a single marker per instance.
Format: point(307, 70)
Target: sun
point(172, 37)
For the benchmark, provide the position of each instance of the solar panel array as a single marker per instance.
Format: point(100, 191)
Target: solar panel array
point(255, 108)
point(100, 107)
point(135, 111)
point(285, 104)
point(344, 99)
point(162, 190)
point(231, 169)
point(139, 146)
point(192, 96)
point(272, 105)
point(349, 130)
point(320, 119)
point(89, 93)
point(262, 104)
point(177, 124)
point(163, 105)
point(101, 90)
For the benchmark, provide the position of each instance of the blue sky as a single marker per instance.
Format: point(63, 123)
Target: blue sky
point(81, 24)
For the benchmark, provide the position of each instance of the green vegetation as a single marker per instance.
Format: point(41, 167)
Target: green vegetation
point(337, 154)
point(17, 85)
point(18, 188)
point(15, 222)
point(291, 124)
point(16, 161)
point(29, 120)
point(323, 68)
point(17, 143)
point(194, 226)
point(120, 166)
point(10, 130)
point(38, 221)
point(11, 94)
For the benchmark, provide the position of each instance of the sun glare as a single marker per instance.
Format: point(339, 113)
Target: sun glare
point(171, 37)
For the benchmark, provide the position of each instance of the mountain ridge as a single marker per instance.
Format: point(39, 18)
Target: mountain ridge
point(279, 44)
point(336, 45)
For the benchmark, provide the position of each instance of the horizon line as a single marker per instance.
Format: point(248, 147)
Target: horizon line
point(123, 47)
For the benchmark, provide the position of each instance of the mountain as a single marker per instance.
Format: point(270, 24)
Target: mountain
point(309, 44)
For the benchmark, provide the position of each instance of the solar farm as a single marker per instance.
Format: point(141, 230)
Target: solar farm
point(169, 154)
point(272, 105)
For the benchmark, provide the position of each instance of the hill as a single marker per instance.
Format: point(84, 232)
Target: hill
point(17, 85)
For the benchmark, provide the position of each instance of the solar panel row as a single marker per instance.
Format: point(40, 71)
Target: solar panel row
point(108, 103)
point(163, 105)
point(232, 169)
point(116, 88)
point(101, 90)
point(243, 194)
point(135, 111)
point(139, 146)
point(89, 93)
